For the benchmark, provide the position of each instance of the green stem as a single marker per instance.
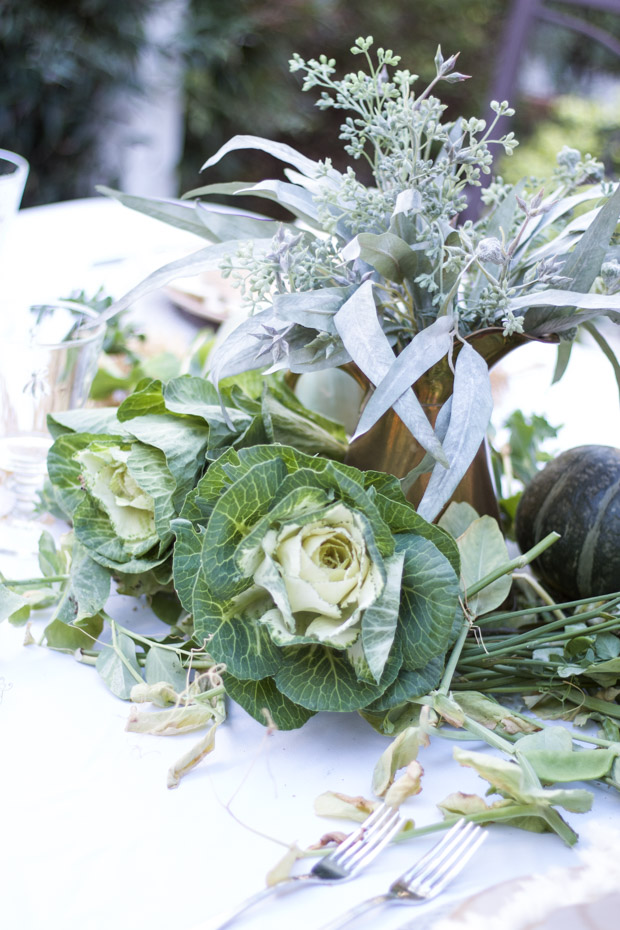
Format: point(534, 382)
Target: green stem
point(35, 582)
point(122, 657)
point(566, 605)
point(89, 657)
point(530, 642)
point(519, 562)
point(524, 578)
point(455, 655)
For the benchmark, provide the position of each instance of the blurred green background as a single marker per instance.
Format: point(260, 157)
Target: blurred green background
point(72, 73)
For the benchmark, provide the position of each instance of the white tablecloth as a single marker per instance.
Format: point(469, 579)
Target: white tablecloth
point(90, 837)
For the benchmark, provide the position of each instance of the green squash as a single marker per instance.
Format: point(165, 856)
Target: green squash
point(578, 496)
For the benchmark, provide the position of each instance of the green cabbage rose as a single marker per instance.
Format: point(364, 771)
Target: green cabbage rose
point(130, 509)
point(317, 585)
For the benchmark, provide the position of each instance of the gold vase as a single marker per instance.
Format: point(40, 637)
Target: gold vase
point(389, 446)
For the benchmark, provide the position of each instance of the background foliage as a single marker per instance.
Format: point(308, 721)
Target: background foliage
point(66, 64)
point(61, 62)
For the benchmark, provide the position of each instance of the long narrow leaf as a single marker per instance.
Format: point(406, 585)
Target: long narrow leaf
point(174, 213)
point(427, 348)
point(240, 350)
point(234, 224)
point(606, 349)
point(298, 201)
point(279, 150)
point(562, 359)
point(584, 263)
point(472, 404)
point(361, 333)
point(441, 428)
point(556, 209)
point(555, 311)
point(204, 260)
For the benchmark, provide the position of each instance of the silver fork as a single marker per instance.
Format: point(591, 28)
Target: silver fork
point(352, 855)
point(427, 877)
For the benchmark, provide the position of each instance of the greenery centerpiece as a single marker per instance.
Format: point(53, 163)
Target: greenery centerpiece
point(288, 578)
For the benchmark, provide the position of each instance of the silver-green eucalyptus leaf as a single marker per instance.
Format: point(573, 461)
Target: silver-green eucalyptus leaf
point(360, 330)
point(222, 224)
point(278, 150)
point(472, 404)
point(556, 311)
point(180, 214)
point(292, 197)
point(206, 259)
point(387, 253)
point(312, 309)
point(426, 349)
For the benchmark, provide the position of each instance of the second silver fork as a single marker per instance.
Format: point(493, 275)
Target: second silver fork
point(352, 855)
point(428, 877)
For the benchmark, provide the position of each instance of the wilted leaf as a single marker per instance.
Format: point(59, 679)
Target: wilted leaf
point(491, 714)
point(282, 869)
point(170, 722)
point(160, 693)
point(465, 804)
point(333, 804)
point(407, 785)
point(400, 752)
point(190, 759)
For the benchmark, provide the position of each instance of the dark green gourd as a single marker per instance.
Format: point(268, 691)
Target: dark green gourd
point(578, 496)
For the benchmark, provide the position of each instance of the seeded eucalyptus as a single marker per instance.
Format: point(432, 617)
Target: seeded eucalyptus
point(387, 275)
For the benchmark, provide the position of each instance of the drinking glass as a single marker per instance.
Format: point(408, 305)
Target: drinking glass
point(48, 358)
point(13, 174)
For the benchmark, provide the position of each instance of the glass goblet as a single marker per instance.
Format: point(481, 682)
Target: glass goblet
point(45, 367)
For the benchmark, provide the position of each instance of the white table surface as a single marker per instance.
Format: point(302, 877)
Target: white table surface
point(90, 837)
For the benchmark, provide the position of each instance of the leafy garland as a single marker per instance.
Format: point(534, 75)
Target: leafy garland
point(408, 662)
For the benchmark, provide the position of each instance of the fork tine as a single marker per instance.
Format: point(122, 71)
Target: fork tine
point(462, 857)
point(372, 830)
point(444, 861)
point(361, 832)
point(436, 852)
point(365, 852)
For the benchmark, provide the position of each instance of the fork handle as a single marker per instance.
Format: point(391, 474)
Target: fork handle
point(356, 911)
point(227, 916)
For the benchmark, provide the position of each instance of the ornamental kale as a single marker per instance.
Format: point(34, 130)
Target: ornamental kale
point(316, 584)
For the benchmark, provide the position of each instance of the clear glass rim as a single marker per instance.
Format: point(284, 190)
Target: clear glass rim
point(94, 332)
point(21, 165)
